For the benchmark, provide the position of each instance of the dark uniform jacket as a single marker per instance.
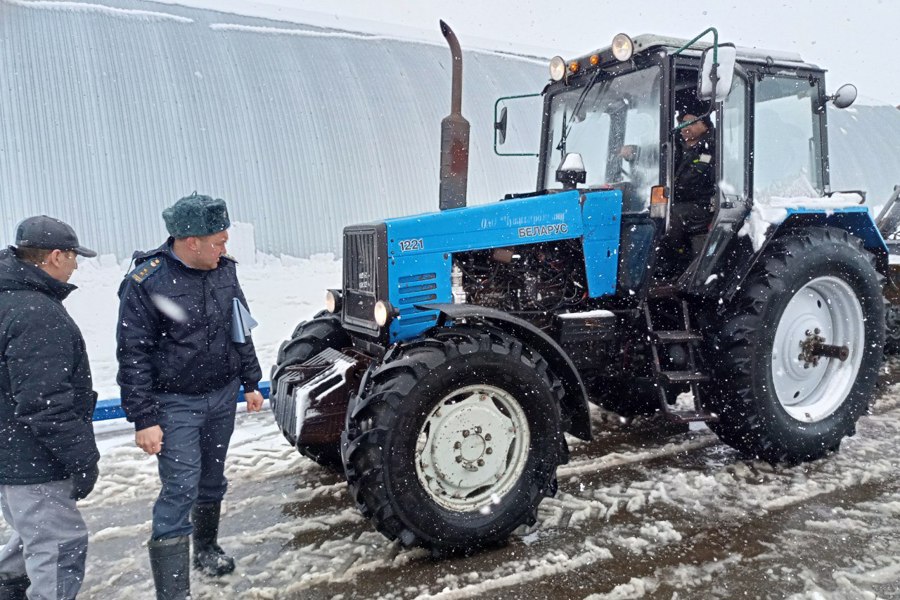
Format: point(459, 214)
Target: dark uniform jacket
point(695, 172)
point(46, 393)
point(174, 333)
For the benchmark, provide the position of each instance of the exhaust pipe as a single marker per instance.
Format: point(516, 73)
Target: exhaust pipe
point(454, 136)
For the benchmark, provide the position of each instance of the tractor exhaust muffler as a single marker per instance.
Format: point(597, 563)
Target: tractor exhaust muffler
point(454, 136)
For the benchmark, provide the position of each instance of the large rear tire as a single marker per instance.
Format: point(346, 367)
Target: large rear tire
point(310, 338)
point(892, 330)
point(776, 399)
point(454, 440)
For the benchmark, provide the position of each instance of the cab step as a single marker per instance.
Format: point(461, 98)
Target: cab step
point(675, 337)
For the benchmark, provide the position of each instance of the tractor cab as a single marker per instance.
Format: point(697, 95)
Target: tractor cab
point(619, 113)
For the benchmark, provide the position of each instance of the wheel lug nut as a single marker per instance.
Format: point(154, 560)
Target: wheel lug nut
point(459, 459)
point(465, 433)
point(457, 446)
point(808, 332)
point(480, 462)
point(489, 451)
point(818, 331)
point(477, 429)
point(487, 437)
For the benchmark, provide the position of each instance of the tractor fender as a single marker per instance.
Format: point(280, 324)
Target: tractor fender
point(575, 401)
point(858, 223)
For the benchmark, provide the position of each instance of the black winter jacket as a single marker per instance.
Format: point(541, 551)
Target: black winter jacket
point(174, 333)
point(695, 172)
point(46, 394)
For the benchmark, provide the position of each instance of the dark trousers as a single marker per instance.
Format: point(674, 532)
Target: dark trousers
point(687, 221)
point(196, 432)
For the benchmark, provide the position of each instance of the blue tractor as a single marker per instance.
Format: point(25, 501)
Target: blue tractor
point(464, 344)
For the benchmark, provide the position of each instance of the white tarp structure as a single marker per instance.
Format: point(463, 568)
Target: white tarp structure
point(109, 112)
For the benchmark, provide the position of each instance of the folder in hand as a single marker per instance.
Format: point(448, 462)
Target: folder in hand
point(241, 322)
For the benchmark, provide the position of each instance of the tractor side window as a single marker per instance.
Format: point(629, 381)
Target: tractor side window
point(785, 151)
point(732, 175)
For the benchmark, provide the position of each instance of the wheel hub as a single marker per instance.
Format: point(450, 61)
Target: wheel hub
point(817, 348)
point(472, 447)
point(814, 347)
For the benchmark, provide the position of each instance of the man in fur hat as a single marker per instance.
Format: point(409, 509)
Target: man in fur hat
point(180, 369)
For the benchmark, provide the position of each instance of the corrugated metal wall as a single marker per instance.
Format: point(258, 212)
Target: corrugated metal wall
point(107, 115)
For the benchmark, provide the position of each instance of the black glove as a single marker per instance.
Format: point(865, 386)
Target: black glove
point(83, 482)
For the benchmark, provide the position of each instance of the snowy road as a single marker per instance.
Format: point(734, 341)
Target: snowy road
point(639, 514)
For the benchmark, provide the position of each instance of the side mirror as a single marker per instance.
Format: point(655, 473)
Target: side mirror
point(500, 128)
point(723, 72)
point(844, 96)
point(519, 135)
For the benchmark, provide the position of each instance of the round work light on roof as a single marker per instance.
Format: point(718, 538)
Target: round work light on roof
point(622, 47)
point(557, 68)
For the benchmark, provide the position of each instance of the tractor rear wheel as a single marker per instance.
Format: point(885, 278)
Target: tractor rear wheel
point(309, 339)
point(798, 356)
point(454, 440)
point(892, 330)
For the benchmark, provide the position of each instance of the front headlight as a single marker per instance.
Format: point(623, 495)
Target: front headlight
point(383, 312)
point(333, 301)
point(557, 68)
point(622, 47)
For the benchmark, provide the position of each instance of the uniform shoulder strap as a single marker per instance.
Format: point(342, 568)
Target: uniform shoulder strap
point(145, 269)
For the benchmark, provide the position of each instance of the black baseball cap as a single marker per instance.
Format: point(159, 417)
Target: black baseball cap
point(48, 233)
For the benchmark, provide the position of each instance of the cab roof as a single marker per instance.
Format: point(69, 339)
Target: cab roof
point(645, 42)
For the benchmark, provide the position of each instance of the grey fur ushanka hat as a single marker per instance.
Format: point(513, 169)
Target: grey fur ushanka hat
point(196, 216)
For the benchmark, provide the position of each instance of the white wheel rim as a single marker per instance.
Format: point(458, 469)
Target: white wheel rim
point(812, 392)
point(472, 448)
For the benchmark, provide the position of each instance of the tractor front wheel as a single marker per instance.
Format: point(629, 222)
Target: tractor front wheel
point(454, 440)
point(309, 339)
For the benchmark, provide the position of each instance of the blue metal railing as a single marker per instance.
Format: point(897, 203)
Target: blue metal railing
point(112, 409)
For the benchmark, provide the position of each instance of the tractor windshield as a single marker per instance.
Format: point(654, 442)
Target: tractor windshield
point(613, 123)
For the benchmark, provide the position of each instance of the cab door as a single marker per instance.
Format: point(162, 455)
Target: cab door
point(733, 143)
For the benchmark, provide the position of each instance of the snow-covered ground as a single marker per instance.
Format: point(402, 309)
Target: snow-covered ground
point(641, 513)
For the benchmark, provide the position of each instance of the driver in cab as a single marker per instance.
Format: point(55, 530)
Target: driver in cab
point(694, 186)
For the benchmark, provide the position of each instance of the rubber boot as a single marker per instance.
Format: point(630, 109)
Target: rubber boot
point(208, 555)
point(14, 589)
point(169, 561)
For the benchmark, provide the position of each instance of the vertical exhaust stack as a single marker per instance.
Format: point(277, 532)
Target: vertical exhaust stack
point(454, 136)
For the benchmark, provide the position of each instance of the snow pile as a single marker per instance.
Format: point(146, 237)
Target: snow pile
point(281, 292)
point(143, 15)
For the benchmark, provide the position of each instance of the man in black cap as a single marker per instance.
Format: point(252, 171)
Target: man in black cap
point(48, 456)
point(180, 368)
point(694, 180)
